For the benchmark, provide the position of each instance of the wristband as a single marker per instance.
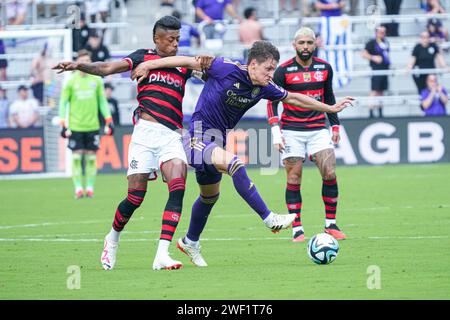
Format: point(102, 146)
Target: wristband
point(276, 135)
point(335, 128)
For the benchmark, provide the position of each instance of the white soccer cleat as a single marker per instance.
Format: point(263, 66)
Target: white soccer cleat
point(192, 252)
point(166, 263)
point(276, 221)
point(108, 258)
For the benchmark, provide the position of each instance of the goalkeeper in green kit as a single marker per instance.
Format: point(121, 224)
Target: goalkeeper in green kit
point(81, 99)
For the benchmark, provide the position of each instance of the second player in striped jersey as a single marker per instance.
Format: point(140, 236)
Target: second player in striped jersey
point(155, 143)
point(304, 130)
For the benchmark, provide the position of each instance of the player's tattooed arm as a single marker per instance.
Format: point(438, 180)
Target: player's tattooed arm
point(195, 63)
point(95, 68)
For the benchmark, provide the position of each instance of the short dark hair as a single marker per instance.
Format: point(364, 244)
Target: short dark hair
point(22, 87)
point(248, 12)
point(176, 14)
point(262, 51)
point(83, 52)
point(167, 23)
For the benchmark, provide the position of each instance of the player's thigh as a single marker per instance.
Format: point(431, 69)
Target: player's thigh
point(171, 156)
point(221, 158)
point(141, 160)
point(295, 144)
point(138, 181)
point(326, 162)
point(174, 168)
point(91, 140)
point(294, 169)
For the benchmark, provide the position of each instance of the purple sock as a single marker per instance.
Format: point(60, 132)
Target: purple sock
point(245, 187)
point(199, 216)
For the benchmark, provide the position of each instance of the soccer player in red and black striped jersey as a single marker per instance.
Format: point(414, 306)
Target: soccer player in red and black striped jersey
point(155, 143)
point(304, 130)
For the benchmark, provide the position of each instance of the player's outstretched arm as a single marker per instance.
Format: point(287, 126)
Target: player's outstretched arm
point(301, 100)
point(96, 68)
point(198, 63)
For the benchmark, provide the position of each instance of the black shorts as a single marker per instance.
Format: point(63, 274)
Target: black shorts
point(379, 83)
point(84, 140)
point(3, 63)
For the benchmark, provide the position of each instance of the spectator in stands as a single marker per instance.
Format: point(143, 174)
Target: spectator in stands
point(166, 8)
point(97, 7)
point(250, 30)
point(392, 8)
point(377, 52)
point(319, 51)
point(40, 66)
point(434, 97)
point(425, 55)
point(187, 32)
point(3, 62)
point(80, 35)
point(436, 31)
point(211, 11)
point(16, 11)
point(4, 109)
point(24, 111)
point(434, 7)
point(330, 8)
point(99, 52)
point(294, 6)
point(113, 105)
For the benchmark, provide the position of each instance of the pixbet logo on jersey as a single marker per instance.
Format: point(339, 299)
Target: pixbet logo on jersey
point(165, 78)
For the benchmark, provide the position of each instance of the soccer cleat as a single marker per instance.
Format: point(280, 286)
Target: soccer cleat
point(79, 194)
point(298, 236)
point(89, 193)
point(276, 221)
point(108, 258)
point(166, 262)
point(192, 252)
point(334, 231)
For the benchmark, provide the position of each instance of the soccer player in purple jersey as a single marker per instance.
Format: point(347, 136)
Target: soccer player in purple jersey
point(231, 89)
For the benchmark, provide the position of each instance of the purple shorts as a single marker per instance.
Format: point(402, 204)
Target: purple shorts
point(198, 153)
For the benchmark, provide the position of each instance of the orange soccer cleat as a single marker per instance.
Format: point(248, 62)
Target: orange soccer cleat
point(334, 231)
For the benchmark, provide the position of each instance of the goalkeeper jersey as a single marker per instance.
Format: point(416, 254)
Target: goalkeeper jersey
point(81, 99)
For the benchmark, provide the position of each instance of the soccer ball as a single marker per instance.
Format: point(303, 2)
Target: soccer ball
point(323, 248)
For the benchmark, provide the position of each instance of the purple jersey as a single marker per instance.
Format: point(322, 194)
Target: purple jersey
point(227, 95)
point(330, 12)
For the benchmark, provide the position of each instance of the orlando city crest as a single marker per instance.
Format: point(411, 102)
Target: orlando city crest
point(255, 92)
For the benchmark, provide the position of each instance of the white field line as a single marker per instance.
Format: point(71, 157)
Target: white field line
point(219, 239)
point(219, 216)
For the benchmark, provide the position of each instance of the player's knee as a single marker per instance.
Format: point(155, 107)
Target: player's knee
point(329, 174)
point(234, 165)
point(209, 199)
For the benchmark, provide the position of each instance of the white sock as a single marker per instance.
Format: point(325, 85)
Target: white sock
point(163, 247)
point(329, 221)
point(113, 235)
point(269, 217)
point(296, 229)
point(194, 244)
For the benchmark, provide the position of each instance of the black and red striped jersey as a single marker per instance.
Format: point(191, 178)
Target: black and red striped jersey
point(161, 94)
point(314, 81)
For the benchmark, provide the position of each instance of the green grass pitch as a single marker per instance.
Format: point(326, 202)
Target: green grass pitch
point(397, 219)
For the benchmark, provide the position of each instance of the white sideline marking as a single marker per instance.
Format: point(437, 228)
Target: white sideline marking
point(217, 216)
point(216, 239)
point(46, 224)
